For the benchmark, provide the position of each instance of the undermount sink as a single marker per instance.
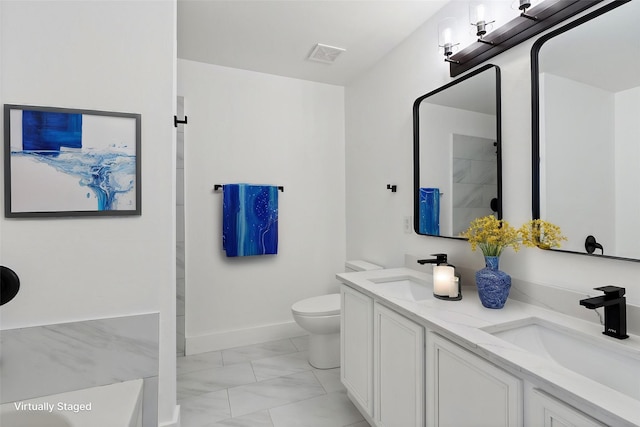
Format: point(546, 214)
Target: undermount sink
point(406, 288)
point(595, 357)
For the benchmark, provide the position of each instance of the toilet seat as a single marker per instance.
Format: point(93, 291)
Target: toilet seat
point(323, 305)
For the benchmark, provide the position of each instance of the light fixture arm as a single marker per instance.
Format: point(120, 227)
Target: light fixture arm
point(448, 48)
point(481, 27)
point(523, 6)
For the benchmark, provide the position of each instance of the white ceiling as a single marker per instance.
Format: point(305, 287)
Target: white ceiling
point(276, 37)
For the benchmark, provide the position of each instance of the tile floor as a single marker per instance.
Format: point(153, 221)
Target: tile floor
point(263, 385)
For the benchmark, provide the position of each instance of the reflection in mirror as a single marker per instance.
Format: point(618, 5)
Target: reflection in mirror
point(586, 131)
point(456, 154)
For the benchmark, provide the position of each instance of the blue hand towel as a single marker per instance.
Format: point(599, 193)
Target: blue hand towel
point(249, 219)
point(429, 211)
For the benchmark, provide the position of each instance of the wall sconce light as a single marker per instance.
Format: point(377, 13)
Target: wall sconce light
point(535, 17)
point(479, 18)
point(446, 36)
point(523, 5)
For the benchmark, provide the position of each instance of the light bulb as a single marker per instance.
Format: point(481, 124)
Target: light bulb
point(447, 36)
point(480, 13)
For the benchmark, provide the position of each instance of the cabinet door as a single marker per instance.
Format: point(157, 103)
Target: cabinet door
point(398, 378)
point(356, 347)
point(546, 411)
point(468, 391)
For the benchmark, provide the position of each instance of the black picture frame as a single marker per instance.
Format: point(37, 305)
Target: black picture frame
point(65, 162)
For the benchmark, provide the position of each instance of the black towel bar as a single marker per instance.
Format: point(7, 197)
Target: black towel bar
point(217, 187)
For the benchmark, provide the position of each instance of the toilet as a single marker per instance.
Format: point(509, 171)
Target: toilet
point(320, 316)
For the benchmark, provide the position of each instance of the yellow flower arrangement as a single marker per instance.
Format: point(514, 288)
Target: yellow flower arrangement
point(493, 235)
point(542, 234)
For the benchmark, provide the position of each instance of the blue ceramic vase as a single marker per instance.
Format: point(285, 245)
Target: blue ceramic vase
point(493, 284)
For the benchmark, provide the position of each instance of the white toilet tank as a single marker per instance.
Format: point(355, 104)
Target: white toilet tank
point(360, 265)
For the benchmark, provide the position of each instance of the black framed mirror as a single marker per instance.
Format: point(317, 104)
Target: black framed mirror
point(457, 160)
point(586, 131)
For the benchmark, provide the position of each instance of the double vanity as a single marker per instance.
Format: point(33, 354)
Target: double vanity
point(409, 359)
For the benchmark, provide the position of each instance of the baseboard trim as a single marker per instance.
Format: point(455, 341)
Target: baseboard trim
point(241, 337)
point(175, 422)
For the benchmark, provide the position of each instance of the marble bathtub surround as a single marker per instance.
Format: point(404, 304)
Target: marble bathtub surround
point(461, 323)
point(105, 406)
point(43, 360)
point(269, 384)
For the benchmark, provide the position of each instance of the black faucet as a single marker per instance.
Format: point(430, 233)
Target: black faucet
point(440, 259)
point(615, 310)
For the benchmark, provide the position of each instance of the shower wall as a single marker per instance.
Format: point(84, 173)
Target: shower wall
point(475, 179)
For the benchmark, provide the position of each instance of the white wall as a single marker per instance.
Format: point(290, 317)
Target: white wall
point(258, 128)
point(102, 55)
point(577, 158)
point(379, 151)
point(627, 157)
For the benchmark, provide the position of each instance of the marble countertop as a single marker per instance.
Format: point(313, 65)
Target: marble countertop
point(462, 322)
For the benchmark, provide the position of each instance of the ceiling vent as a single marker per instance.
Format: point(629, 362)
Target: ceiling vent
point(325, 54)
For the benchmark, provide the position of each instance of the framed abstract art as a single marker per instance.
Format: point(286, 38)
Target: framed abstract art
point(68, 162)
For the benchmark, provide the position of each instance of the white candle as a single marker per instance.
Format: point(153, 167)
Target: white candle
point(453, 289)
point(442, 283)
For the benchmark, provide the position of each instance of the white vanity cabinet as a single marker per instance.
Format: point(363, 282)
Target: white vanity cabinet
point(382, 361)
point(465, 390)
point(543, 410)
point(398, 375)
point(407, 364)
point(356, 347)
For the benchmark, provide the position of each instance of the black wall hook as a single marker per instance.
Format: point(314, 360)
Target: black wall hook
point(176, 122)
point(393, 188)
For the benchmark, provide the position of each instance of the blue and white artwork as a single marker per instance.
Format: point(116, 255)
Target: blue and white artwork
point(72, 162)
point(249, 219)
